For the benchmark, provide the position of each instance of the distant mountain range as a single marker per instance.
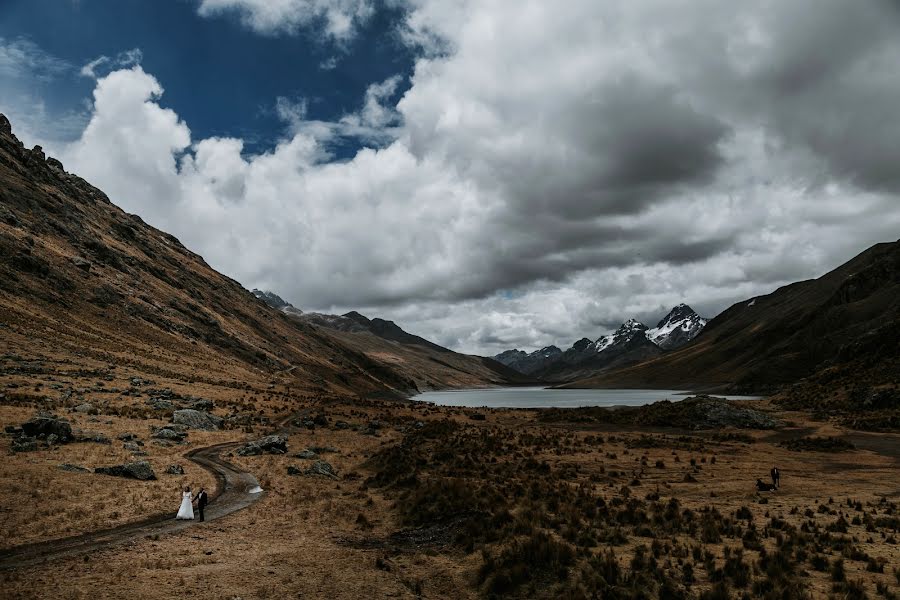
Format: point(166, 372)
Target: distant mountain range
point(631, 343)
point(425, 364)
point(837, 337)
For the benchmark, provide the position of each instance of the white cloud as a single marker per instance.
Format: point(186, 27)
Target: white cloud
point(551, 171)
point(339, 18)
point(123, 60)
point(20, 57)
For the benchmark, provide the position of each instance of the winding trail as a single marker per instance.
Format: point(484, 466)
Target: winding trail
point(232, 494)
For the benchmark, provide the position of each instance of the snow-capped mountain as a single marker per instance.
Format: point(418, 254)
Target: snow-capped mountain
point(632, 342)
point(529, 363)
point(276, 301)
point(679, 327)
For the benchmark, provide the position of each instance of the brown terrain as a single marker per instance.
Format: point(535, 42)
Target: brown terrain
point(130, 348)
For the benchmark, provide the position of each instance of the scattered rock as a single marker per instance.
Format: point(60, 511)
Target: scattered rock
point(323, 449)
point(306, 454)
point(131, 447)
point(341, 425)
point(292, 470)
point(24, 443)
point(320, 468)
point(73, 468)
point(81, 262)
point(140, 470)
point(92, 437)
point(196, 419)
point(44, 424)
point(175, 470)
point(126, 437)
point(161, 404)
point(271, 444)
point(167, 433)
point(84, 408)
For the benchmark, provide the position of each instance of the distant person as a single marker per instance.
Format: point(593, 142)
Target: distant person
point(186, 511)
point(762, 486)
point(776, 477)
point(202, 500)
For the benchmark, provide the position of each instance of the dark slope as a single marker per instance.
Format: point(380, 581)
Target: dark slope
point(848, 316)
point(84, 283)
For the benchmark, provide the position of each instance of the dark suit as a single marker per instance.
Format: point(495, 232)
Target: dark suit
point(776, 477)
point(201, 503)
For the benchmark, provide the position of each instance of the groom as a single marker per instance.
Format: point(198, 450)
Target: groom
point(201, 502)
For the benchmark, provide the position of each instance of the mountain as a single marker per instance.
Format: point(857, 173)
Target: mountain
point(677, 328)
point(632, 342)
point(277, 302)
point(426, 364)
point(837, 332)
point(627, 345)
point(529, 363)
point(86, 288)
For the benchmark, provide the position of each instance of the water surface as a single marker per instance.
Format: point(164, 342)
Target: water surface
point(538, 397)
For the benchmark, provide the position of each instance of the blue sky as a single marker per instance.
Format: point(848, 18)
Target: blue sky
point(489, 174)
point(222, 77)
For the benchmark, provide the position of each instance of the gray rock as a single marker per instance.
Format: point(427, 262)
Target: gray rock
point(84, 408)
point(341, 425)
point(306, 454)
point(196, 419)
point(131, 447)
point(23, 443)
point(73, 468)
point(167, 433)
point(271, 444)
point(200, 404)
point(81, 262)
point(44, 424)
point(292, 470)
point(175, 470)
point(324, 449)
point(92, 437)
point(126, 437)
point(140, 470)
point(161, 404)
point(320, 468)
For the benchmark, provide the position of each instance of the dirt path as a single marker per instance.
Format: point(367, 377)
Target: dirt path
point(232, 494)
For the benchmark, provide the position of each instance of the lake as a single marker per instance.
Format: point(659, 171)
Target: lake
point(538, 397)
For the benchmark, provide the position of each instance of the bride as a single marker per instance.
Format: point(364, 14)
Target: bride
point(186, 511)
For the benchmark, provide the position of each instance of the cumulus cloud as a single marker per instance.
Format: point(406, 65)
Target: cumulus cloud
point(339, 18)
point(550, 172)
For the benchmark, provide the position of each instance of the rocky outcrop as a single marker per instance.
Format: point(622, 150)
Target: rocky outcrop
point(196, 419)
point(320, 468)
point(271, 444)
point(168, 434)
point(45, 425)
point(140, 470)
point(174, 470)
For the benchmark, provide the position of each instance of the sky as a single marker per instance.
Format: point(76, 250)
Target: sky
point(490, 175)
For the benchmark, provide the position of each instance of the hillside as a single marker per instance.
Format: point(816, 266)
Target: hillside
point(840, 328)
point(426, 364)
point(89, 289)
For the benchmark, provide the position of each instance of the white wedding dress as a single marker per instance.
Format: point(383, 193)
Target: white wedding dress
point(186, 511)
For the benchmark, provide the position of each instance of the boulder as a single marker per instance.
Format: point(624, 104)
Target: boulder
point(73, 468)
point(174, 470)
point(84, 408)
point(161, 404)
point(23, 443)
point(306, 454)
point(196, 419)
point(126, 437)
point(320, 468)
point(167, 433)
point(140, 470)
point(92, 437)
point(271, 444)
point(45, 424)
point(131, 447)
point(292, 470)
point(81, 262)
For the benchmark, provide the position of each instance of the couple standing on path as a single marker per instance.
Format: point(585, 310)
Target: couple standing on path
point(186, 511)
